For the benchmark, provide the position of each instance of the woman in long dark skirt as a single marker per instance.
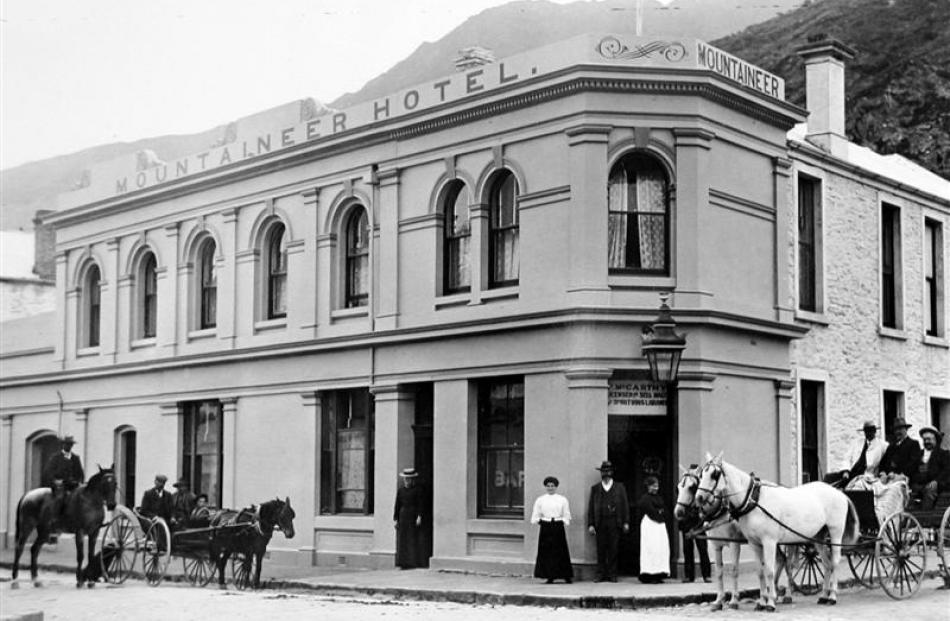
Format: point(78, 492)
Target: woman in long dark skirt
point(407, 519)
point(553, 513)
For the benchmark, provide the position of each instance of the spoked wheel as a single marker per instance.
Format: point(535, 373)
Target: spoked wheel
point(157, 552)
point(198, 569)
point(943, 545)
point(241, 566)
point(808, 573)
point(119, 547)
point(861, 562)
point(901, 552)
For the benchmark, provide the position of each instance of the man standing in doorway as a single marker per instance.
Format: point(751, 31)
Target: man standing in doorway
point(608, 515)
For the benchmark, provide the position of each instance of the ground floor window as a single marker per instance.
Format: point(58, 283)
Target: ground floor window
point(893, 404)
point(812, 429)
point(347, 452)
point(202, 444)
point(501, 447)
point(125, 465)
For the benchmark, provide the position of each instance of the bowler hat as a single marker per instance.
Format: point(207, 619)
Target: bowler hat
point(931, 429)
point(182, 482)
point(409, 473)
point(161, 477)
point(68, 440)
point(868, 424)
point(606, 466)
point(900, 422)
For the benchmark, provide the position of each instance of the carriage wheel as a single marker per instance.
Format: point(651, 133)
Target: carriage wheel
point(901, 552)
point(241, 567)
point(157, 552)
point(943, 545)
point(808, 574)
point(119, 547)
point(861, 562)
point(198, 569)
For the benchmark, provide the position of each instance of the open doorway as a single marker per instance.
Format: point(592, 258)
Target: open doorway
point(422, 455)
point(39, 448)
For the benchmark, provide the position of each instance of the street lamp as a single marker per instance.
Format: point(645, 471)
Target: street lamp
point(662, 346)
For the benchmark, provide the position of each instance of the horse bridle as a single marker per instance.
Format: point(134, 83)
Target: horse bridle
point(693, 476)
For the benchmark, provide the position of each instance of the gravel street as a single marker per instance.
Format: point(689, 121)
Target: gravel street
point(59, 599)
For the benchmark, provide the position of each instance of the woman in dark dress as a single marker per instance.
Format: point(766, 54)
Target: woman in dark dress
point(553, 513)
point(654, 540)
point(407, 519)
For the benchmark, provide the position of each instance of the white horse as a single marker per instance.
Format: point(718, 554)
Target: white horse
point(769, 516)
point(722, 532)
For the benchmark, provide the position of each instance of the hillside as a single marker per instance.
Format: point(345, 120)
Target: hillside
point(898, 85)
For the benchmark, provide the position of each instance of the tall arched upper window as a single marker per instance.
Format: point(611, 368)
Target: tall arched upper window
point(458, 232)
point(357, 259)
point(503, 231)
point(276, 270)
point(208, 286)
point(639, 216)
point(91, 305)
point(148, 296)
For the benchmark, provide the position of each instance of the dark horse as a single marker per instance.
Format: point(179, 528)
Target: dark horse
point(248, 532)
point(82, 516)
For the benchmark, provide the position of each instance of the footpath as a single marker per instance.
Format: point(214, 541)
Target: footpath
point(436, 585)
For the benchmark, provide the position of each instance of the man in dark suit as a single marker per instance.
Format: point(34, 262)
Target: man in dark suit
point(903, 454)
point(933, 469)
point(157, 502)
point(608, 514)
point(62, 473)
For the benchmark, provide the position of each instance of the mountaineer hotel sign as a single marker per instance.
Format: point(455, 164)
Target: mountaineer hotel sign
point(588, 50)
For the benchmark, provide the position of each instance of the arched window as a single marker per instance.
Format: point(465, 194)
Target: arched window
point(638, 227)
point(458, 232)
point(276, 270)
point(91, 305)
point(148, 296)
point(208, 286)
point(503, 231)
point(40, 447)
point(357, 259)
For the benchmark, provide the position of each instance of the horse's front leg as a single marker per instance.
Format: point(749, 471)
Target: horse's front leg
point(736, 549)
point(222, 562)
point(258, 560)
point(768, 549)
point(760, 604)
point(79, 557)
point(89, 573)
point(717, 572)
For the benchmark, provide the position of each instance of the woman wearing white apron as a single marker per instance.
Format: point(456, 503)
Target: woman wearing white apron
point(654, 540)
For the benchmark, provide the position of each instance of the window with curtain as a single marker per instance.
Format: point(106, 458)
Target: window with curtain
point(148, 300)
point(276, 272)
point(91, 306)
point(501, 447)
point(638, 226)
point(357, 259)
point(347, 452)
point(208, 284)
point(458, 233)
point(503, 231)
point(203, 448)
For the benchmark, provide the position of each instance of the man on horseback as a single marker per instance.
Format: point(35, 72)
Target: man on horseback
point(62, 473)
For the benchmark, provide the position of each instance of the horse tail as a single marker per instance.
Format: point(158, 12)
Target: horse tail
point(19, 508)
point(852, 526)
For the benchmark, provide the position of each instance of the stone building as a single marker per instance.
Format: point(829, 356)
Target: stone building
point(457, 277)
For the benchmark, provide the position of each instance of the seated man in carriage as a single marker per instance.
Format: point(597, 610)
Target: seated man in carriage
point(157, 502)
point(864, 456)
point(183, 504)
point(201, 515)
point(903, 454)
point(933, 469)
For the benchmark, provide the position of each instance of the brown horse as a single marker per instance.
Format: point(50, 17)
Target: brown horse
point(83, 515)
point(250, 540)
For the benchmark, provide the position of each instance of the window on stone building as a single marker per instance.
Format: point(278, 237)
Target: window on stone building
point(933, 278)
point(940, 418)
point(893, 405)
point(202, 448)
point(347, 452)
point(809, 250)
point(276, 270)
point(147, 281)
point(208, 286)
point(503, 231)
point(812, 406)
point(357, 237)
point(91, 307)
point(456, 237)
point(501, 447)
point(891, 285)
point(638, 226)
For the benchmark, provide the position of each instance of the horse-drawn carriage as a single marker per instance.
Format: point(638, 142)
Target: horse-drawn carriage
point(204, 546)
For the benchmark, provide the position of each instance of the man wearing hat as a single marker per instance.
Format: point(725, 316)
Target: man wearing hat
point(63, 473)
point(184, 502)
point(608, 514)
point(157, 502)
point(902, 456)
point(933, 469)
point(864, 456)
point(407, 520)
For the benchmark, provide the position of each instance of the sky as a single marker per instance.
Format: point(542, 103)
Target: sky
point(80, 73)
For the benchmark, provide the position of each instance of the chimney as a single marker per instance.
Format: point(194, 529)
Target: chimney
point(824, 91)
point(44, 247)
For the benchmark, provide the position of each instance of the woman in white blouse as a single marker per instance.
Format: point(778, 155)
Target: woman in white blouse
point(553, 513)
